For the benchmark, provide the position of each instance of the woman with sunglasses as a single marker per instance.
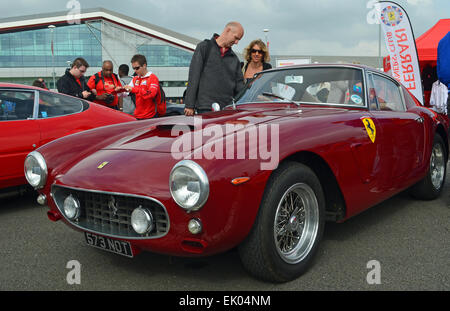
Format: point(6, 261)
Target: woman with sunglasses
point(257, 59)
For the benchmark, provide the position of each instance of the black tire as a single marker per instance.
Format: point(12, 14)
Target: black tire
point(264, 253)
point(430, 187)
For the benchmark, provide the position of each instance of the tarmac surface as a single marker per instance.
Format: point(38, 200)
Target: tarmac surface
point(408, 239)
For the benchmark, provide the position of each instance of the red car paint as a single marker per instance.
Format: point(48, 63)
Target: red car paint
point(140, 161)
point(20, 137)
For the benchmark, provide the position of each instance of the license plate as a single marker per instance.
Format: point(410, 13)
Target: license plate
point(115, 246)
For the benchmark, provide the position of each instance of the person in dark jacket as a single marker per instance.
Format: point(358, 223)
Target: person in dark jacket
point(73, 82)
point(215, 72)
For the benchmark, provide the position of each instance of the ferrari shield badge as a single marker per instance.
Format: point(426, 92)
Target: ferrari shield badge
point(113, 205)
point(102, 165)
point(370, 128)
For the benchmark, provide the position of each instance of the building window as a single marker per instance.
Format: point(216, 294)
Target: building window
point(165, 56)
point(173, 83)
point(32, 48)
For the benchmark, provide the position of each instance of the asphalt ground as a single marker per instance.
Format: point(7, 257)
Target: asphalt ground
point(408, 239)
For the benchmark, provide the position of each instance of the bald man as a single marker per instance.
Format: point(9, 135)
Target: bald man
point(215, 73)
point(107, 85)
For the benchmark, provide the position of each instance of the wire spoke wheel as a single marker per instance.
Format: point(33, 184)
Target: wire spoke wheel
point(296, 223)
point(288, 228)
point(437, 166)
point(432, 185)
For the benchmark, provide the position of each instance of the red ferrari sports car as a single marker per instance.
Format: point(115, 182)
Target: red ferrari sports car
point(31, 117)
point(301, 146)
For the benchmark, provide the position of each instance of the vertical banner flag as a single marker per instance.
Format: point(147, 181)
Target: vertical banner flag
point(401, 45)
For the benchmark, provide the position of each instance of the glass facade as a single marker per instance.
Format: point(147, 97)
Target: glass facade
point(32, 48)
point(165, 56)
point(21, 80)
point(26, 55)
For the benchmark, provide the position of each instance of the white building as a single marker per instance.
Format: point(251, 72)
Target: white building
point(100, 34)
point(96, 35)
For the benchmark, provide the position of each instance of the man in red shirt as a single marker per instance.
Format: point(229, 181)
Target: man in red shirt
point(107, 85)
point(145, 85)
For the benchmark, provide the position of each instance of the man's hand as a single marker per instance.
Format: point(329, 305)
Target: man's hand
point(119, 89)
point(86, 94)
point(188, 112)
point(101, 97)
point(128, 88)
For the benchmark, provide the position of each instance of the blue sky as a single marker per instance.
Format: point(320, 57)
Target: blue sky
point(297, 27)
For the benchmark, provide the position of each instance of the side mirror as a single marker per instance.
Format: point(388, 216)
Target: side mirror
point(215, 107)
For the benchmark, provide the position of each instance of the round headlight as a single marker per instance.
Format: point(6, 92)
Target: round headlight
point(195, 226)
point(71, 207)
point(35, 170)
point(189, 185)
point(142, 220)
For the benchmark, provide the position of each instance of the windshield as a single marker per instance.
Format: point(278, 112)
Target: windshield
point(323, 85)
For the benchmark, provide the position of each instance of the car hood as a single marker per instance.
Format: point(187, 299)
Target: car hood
point(159, 136)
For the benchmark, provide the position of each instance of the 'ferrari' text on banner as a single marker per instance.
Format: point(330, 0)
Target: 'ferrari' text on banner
point(401, 45)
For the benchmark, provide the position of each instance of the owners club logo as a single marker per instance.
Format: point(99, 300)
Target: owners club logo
point(392, 16)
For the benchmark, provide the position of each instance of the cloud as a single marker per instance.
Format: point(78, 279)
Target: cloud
point(338, 48)
point(420, 2)
point(296, 27)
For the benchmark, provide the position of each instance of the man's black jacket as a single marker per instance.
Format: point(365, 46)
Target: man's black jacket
point(219, 79)
point(67, 84)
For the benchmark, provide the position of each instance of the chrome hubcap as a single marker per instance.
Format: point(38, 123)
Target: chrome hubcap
point(437, 166)
point(296, 223)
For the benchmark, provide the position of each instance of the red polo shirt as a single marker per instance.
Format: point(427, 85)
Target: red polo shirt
point(110, 84)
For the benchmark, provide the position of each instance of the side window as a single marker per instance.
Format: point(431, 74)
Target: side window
point(16, 105)
point(387, 94)
point(55, 105)
point(410, 103)
point(373, 104)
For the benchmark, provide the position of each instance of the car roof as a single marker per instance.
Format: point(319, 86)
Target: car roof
point(29, 88)
point(334, 65)
point(343, 65)
point(21, 86)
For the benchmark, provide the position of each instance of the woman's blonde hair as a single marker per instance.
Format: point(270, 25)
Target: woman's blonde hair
point(262, 46)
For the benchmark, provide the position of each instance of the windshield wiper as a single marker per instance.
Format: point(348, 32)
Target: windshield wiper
point(274, 95)
point(279, 97)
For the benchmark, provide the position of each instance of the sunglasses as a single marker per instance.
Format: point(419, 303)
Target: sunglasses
point(136, 68)
point(257, 51)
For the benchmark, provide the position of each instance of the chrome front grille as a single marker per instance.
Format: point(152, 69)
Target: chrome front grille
point(110, 213)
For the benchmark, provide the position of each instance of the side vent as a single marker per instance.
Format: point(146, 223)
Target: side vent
point(173, 130)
